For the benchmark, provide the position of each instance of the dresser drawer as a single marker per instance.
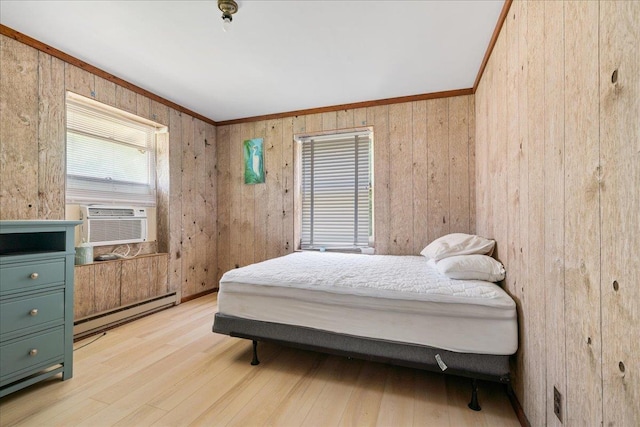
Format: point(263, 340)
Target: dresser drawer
point(29, 274)
point(25, 315)
point(34, 351)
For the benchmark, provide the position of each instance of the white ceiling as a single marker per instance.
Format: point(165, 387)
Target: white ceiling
point(279, 56)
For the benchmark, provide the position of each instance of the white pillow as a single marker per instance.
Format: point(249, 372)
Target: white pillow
point(471, 267)
point(458, 244)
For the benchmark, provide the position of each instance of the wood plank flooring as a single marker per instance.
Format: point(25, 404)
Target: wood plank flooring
point(169, 369)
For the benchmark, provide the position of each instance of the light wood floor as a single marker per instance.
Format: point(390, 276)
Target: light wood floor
point(169, 369)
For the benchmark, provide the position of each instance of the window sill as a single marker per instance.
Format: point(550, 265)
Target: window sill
point(364, 251)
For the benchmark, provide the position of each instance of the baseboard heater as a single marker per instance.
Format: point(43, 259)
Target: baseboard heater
point(96, 323)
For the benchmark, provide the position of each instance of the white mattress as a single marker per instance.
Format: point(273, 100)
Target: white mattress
point(395, 298)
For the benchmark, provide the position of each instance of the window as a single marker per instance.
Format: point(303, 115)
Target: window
point(336, 191)
point(110, 154)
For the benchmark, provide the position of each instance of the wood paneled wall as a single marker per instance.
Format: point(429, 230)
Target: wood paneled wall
point(108, 285)
point(424, 178)
point(32, 158)
point(558, 173)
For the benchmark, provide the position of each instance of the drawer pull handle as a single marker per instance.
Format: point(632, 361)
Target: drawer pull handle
point(33, 352)
point(34, 275)
point(34, 312)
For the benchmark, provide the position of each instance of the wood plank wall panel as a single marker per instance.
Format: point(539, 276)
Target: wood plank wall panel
point(18, 130)
point(97, 288)
point(163, 191)
point(485, 228)
point(420, 177)
point(199, 210)
point(210, 209)
point(401, 194)
point(51, 137)
point(329, 120)
point(620, 206)
point(344, 119)
point(523, 357)
point(83, 291)
point(160, 114)
point(523, 138)
point(262, 217)
point(582, 228)
point(152, 284)
point(458, 160)
point(234, 196)
point(105, 91)
point(481, 100)
point(79, 81)
point(378, 117)
point(554, 209)
point(359, 117)
point(162, 283)
point(511, 29)
point(534, 292)
point(32, 149)
point(314, 123)
point(139, 277)
point(175, 202)
point(572, 167)
point(107, 285)
point(472, 163)
point(288, 162)
point(223, 191)
point(299, 127)
point(143, 107)
point(438, 157)
point(126, 99)
point(129, 282)
point(274, 202)
point(147, 276)
point(188, 181)
point(497, 156)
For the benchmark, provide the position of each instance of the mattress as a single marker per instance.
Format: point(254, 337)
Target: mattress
point(395, 298)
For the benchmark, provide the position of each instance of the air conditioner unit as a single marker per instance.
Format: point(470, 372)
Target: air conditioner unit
point(113, 225)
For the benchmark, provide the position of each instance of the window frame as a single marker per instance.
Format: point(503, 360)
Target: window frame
point(298, 194)
point(91, 190)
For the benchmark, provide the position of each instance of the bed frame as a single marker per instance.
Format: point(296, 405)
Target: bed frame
point(475, 366)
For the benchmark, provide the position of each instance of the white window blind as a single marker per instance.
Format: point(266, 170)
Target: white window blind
point(110, 156)
point(336, 191)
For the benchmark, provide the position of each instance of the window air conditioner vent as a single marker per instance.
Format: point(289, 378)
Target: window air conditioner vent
point(106, 212)
point(113, 225)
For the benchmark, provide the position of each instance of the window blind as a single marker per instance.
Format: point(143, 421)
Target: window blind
point(335, 191)
point(110, 157)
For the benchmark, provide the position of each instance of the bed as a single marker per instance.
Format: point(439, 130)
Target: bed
point(394, 309)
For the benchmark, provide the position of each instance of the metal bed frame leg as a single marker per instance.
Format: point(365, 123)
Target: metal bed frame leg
point(474, 396)
point(255, 360)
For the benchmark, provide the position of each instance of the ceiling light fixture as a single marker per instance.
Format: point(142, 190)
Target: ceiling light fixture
point(228, 8)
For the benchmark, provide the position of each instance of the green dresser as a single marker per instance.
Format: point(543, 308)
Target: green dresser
point(36, 302)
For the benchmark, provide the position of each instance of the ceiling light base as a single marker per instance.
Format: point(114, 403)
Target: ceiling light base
point(227, 7)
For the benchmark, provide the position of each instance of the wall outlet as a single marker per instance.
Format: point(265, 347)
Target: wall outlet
point(557, 403)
